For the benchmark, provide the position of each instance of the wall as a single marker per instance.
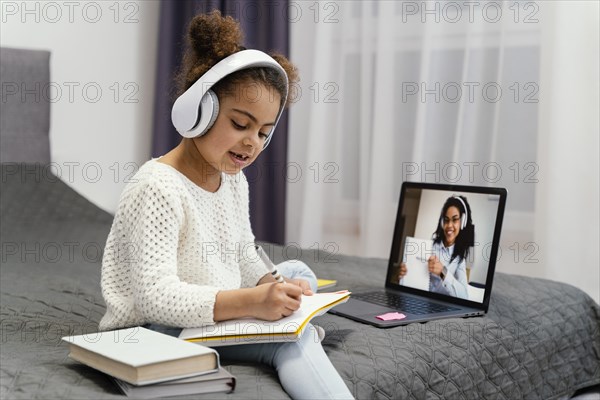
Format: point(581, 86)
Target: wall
point(102, 70)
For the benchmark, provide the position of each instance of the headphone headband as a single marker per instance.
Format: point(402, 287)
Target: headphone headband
point(195, 110)
point(466, 213)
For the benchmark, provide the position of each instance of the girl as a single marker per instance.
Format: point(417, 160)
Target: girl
point(180, 252)
point(452, 240)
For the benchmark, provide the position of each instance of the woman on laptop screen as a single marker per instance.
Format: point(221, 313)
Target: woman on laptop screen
point(452, 240)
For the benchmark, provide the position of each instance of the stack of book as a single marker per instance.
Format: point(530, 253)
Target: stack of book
point(149, 364)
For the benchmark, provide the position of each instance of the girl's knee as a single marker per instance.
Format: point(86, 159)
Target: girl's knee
point(303, 268)
point(297, 269)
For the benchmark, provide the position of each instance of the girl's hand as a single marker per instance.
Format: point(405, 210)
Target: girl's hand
point(273, 301)
point(303, 283)
point(435, 266)
point(402, 270)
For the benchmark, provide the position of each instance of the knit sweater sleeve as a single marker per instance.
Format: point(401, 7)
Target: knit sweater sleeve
point(160, 295)
point(252, 268)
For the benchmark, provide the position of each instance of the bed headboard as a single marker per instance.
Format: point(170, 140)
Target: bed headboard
point(25, 116)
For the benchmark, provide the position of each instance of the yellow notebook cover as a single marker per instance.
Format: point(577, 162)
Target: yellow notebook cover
point(325, 283)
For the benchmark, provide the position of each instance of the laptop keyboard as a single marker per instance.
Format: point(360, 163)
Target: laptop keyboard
point(407, 304)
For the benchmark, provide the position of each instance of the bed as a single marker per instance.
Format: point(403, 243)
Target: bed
point(540, 339)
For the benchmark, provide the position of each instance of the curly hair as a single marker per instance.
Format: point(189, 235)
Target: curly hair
point(212, 37)
point(466, 237)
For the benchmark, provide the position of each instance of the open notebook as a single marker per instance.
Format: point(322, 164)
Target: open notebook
point(416, 261)
point(250, 330)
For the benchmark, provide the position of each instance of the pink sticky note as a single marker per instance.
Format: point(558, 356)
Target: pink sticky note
point(391, 316)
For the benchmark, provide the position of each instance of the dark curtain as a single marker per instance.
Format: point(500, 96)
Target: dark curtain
point(265, 26)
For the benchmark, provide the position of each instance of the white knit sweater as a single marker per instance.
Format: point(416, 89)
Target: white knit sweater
point(173, 246)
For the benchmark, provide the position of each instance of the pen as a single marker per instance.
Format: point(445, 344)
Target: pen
point(272, 268)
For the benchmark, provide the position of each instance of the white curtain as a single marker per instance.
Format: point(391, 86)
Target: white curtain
point(431, 91)
point(567, 225)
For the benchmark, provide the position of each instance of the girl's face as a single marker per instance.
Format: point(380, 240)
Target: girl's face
point(451, 225)
point(241, 129)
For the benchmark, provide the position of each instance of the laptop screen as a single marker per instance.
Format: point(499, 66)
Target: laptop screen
point(446, 240)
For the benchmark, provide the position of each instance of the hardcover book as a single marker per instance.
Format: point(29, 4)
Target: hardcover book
point(141, 356)
point(217, 382)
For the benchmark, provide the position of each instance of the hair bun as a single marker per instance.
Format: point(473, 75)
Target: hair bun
point(211, 38)
point(214, 37)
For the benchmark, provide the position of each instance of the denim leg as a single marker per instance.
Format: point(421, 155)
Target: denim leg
point(296, 269)
point(304, 370)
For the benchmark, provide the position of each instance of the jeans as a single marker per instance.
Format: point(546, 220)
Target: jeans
point(304, 370)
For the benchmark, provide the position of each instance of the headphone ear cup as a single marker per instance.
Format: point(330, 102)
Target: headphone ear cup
point(463, 221)
point(208, 113)
point(442, 223)
point(215, 110)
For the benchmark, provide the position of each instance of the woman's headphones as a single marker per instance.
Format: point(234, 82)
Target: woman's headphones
point(196, 110)
point(463, 218)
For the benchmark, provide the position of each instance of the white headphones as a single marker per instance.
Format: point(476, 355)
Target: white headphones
point(196, 110)
point(463, 218)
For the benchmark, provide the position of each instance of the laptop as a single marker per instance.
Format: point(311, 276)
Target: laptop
point(443, 257)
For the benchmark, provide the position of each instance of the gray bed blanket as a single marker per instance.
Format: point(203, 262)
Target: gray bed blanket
point(540, 339)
